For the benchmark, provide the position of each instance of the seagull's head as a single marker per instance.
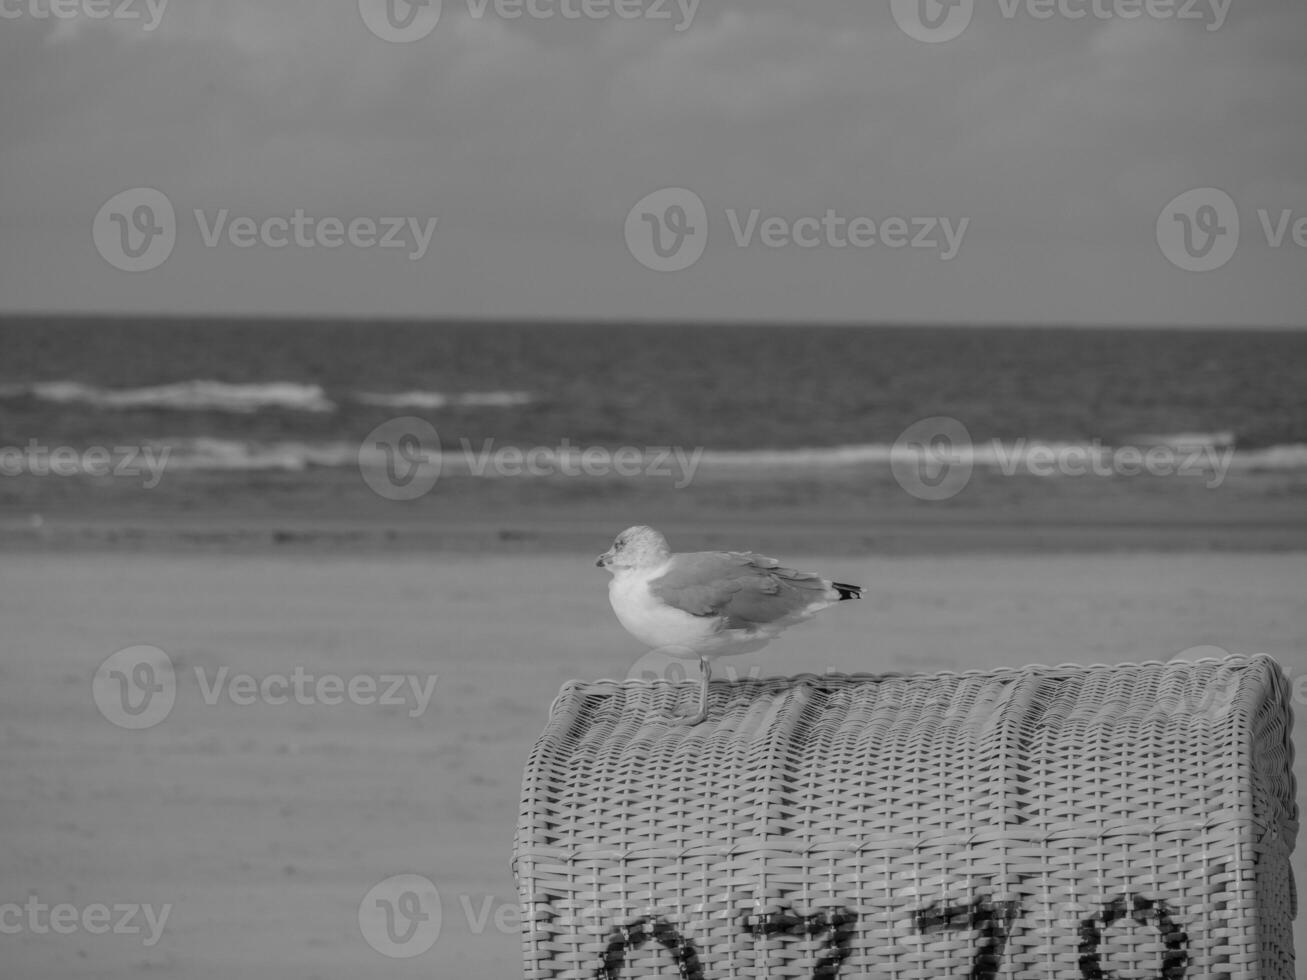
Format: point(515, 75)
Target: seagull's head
point(636, 547)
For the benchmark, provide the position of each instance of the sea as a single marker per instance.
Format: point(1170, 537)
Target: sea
point(274, 416)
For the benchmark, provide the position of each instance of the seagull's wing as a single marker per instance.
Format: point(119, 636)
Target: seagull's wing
point(745, 589)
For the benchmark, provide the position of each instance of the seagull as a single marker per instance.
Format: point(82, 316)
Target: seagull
point(708, 604)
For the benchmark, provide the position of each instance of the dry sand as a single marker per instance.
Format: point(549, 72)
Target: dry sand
point(264, 825)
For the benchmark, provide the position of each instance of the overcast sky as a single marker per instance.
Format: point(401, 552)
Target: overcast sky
point(1050, 146)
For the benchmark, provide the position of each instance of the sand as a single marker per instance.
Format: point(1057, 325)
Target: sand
point(263, 826)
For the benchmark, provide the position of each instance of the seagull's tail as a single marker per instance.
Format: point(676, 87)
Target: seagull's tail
point(847, 591)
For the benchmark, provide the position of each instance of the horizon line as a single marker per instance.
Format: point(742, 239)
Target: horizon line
point(646, 321)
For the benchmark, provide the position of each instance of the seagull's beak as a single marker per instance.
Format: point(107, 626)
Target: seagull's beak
point(602, 560)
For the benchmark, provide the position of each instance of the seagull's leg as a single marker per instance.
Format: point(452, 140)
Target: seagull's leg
point(705, 672)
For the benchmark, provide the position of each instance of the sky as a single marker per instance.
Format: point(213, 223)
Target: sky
point(884, 161)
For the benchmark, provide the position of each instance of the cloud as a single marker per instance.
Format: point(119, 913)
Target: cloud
point(1060, 140)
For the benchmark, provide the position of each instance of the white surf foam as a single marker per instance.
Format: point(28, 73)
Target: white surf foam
point(436, 399)
point(184, 396)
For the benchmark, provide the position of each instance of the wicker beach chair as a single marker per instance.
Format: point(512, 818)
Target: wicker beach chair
point(1044, 822)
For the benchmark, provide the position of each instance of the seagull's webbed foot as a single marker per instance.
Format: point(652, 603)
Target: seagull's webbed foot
point(705, 671)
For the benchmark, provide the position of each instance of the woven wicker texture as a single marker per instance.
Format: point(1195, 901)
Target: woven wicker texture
point(1047, 822)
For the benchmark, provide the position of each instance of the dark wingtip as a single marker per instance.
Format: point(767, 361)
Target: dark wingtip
point(847, 591)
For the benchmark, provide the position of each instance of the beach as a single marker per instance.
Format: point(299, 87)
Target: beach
point(356, 560)
point(262, 826)
point(337, 341)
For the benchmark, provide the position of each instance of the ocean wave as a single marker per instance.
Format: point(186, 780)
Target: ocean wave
point(182, 396)
point(1292, 457)
point(219, 396)
point(852, 455)
point(436, 399)
point(1025, 457)
point(1184, 440)
point(1202, 451)
point(206, 453)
